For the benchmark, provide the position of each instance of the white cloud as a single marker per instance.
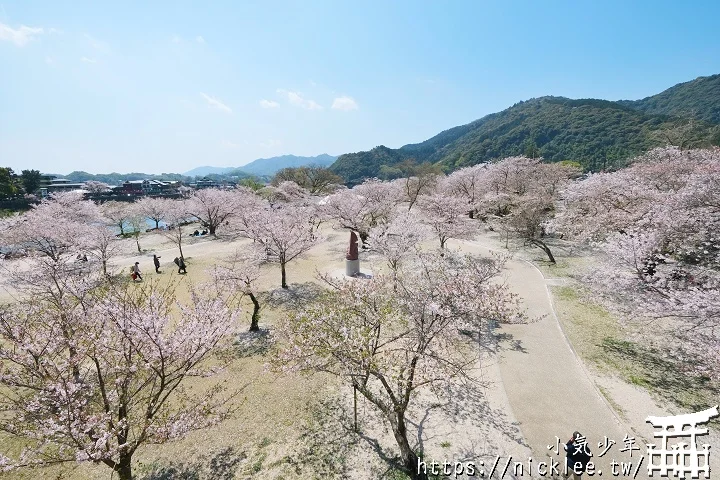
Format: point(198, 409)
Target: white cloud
point(229, 144)
point(199, 39)
point(215, 103)
point(20, 36)
point(88, 60)
point(175, 39)
point(269, 104)
point(271, 143)
point(98, 45)
point(297, 99)
point(50, 60)
point(344, 103)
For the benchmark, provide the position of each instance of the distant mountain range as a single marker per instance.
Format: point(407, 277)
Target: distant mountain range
point(598, 134)
point(264, 166)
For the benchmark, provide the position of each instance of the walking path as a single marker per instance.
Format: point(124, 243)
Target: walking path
point(548, 389)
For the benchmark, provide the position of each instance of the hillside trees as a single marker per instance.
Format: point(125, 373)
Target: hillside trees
point(316, 180)
point(389, 343)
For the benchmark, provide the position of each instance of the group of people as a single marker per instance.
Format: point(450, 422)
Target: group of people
point(199, 234)
point(137, 276)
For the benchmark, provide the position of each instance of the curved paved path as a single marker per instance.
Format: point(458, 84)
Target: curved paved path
point(548, 388)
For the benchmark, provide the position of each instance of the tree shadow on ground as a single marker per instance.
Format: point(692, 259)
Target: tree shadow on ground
point(670, 378)
point(295, 297)
point(326, 442)
point(250, 344)
point(220, 466)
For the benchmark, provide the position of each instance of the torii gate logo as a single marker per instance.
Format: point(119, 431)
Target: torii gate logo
point(682, 458)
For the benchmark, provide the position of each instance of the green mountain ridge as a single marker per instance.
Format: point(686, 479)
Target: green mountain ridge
point(599, 134)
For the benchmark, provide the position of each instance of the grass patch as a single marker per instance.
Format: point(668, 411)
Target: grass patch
point(603, 343)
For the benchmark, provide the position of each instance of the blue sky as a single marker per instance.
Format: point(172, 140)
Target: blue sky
point(168, 86)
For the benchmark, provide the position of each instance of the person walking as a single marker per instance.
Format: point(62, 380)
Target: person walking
point(156, 261)
point(136, 271)
point(578, 456)
point(180, 262)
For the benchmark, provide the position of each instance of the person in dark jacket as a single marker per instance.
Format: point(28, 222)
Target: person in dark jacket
point(180, 262)
point(578, 456)
point(156, 261)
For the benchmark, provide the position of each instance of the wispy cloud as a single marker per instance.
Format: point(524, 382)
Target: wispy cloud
point(271, 143)
point(20, 36)
point(215, 103)
point(199, 39)
point(269, 104)
point(229, 144)
point(176, 39)
point(50, 61)
point(87, 60)
point(98, 45)
point(297, 99)
point(345, 103)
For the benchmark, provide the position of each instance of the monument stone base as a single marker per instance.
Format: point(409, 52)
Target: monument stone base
point(352, 267)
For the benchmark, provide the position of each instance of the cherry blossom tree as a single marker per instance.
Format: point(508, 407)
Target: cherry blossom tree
point(286, 192)
point(176, 216)
point(95, 377)
point(212, 207)
point(655, 225)
point(101, 244)
point(53, 228)
point(419, 180)
point(520, 197)
point(390, 343)
point(94, 186)
point(116, 214)
point(398, 239)
point(470, 183)
point(365, 206)
point(137, 222)
point(154, 208)
point(238, 277)
point(283, 233)
point(447, 217)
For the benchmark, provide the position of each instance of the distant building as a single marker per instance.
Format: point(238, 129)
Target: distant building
point(51, 184)
point(147, 187)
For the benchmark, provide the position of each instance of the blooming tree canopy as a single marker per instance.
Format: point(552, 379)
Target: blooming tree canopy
point(390, 342)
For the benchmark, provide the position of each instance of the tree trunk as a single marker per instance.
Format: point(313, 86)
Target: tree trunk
point(157, 224)
point(540, 244)
point(254, 327)
point(124, 468)
point(284, 275)
point(104, 264)
point(137, 240)
point(409, 458)
point(471, 214)
point(212, 229)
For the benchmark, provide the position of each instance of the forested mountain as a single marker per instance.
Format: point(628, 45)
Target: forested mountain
point(265, 166)
point(599, 134)
point(268, 166)
point(698, 99)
